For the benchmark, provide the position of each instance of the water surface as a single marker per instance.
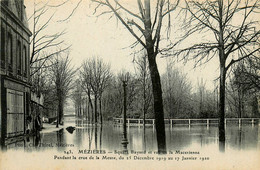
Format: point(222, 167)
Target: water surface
point(109, 137)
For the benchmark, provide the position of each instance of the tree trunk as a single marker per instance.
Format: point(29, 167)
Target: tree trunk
point(60, 111)
point(239, 103)
point(100, 137)
point(255, 110)
point(80, 110)
point(91, 105)
point(222, 103)
point(222, 83)
point(100, 109)
point(87, 111)
point(170, 102)
point(158, 102)
point(75, 109)
point(96, 137)
point(156, 82)
point(57, 122)
point(144, 104)
point(95, 102)
point(92, 116)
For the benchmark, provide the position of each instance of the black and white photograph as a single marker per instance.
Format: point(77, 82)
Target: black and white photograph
point(130, 84)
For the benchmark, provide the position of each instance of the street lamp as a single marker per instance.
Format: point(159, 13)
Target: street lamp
point(125, 79)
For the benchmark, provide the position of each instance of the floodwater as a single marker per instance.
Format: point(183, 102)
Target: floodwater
point(110, 138)
point(188, 147)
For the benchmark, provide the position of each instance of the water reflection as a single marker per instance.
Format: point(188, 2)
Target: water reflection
point(90, 132)
point(37, 140)
point(222, 145)
point(111, 137)
point(100, 137)
point(95, 136)
point(59, 136)
point(124, 140)
point(144, 139)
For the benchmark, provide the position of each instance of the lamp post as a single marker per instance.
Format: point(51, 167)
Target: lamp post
point(124, 80)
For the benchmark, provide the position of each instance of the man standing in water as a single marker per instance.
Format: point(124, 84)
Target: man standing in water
point(38, 125)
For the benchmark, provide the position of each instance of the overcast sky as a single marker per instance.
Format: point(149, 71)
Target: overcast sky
point(108, 39)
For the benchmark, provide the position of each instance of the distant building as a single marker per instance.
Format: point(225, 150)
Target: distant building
point(14, 69)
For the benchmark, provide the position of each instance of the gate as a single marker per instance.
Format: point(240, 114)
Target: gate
point(15, 113)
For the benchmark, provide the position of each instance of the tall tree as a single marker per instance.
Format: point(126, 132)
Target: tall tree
point(231, 35)
point(247, 74)
point(62, 76)
point(44, 44)
point(113, 98)
point(243, 87)
point(145, 83)
point(85, 85)
point(177, 92)
point(105, 75)
point(77, 97)
point(96, 74)
point(144, 23)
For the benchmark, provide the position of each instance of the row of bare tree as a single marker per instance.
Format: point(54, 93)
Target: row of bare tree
point(182, 99)
point(229, 29)
point(105, 89)
point(98, 83)
point(94, 78)
point(51, 72)
point(225, 30)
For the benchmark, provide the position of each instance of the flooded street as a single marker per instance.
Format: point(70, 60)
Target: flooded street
point(109, 138)
point(195, 146)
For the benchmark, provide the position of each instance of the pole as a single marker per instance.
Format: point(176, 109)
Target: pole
point(57, 123)
point(124, 116)
point(124, 141)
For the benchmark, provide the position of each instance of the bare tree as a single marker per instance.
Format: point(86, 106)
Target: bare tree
point(85, 84)
point(62, 76)
point(177, 92)
point(232, 36)
point(243, 84)
point(44, 45)
point(145, 82)
point(113, 103)
point(105, 75)
point(247, 74)
point(96, 74)
point(40, 81)
point(145, 24)
point(170, 78)
point(77, 97)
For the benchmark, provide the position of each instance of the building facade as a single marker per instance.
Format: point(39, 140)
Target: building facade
point(14, 69)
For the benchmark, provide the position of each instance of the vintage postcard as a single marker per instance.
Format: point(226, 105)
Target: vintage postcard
point(129, 84)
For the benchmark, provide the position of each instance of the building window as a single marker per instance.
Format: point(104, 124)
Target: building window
point(19, 58)
point(10, 52)
point(2, 48)
point(24, 61)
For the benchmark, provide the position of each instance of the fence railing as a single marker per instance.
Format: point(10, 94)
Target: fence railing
point(130, 121)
